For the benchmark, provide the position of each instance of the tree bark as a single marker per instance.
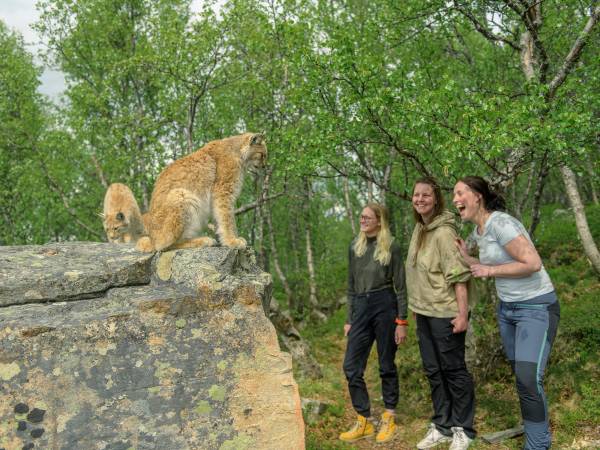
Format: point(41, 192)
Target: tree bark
point(589, 246)
point(310, 264)
point(349, 211)
point(590, 170)
point(275, 256)
point(537, 196)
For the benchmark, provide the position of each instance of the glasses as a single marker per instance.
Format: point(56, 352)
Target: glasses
point(367, 219)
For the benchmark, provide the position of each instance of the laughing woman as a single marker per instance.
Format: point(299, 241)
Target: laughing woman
point(376, 312)
point(528, 311)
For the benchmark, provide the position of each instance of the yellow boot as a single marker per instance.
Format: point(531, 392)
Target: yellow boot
point(361, 429)
point(387, 427)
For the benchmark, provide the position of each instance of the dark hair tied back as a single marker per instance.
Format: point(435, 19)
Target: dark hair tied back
point(492, 201)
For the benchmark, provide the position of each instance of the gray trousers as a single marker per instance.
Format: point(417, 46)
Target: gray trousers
point(528, 329)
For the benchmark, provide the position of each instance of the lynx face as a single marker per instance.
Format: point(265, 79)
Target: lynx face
point(256, 156)
point(115, 227)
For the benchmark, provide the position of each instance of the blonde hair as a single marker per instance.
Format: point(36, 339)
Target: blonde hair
point(382, 253)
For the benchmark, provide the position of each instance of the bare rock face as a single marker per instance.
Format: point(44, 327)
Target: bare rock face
point(102, 347)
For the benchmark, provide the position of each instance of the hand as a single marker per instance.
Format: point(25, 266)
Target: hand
point(481, 271)
point(460, 323)
point(347, 327)
point(462, 247)
point(400, 334)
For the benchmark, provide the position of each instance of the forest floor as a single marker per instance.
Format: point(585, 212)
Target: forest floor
point(572, 377)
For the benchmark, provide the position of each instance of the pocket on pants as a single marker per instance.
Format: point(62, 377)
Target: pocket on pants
point(452, 351)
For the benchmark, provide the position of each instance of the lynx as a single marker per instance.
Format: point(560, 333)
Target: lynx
point(204, 183)
point(122, 219)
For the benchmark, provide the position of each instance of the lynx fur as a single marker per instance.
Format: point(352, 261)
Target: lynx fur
point(204, 183)
point(122, 219)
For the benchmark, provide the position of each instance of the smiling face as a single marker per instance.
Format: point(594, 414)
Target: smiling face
point(468, 202)
point(424, 201)
point(369, 223)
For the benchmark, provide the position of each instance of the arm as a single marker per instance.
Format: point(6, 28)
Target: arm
point(527, 261)
point(461, 321)
point(400, 288)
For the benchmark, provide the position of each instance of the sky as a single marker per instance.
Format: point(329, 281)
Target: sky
point(18, 15)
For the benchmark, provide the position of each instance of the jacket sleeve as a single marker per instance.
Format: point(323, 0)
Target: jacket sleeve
point(399, 281)
point(452, 264)
point(351, 292)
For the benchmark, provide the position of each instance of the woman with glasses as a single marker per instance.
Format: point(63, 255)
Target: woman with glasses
point(376, 312)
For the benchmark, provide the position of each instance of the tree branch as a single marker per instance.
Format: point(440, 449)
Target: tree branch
point(56, 188)
point(482, 29)
point(573, 55)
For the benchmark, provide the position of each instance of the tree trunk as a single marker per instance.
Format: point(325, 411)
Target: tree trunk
point(537, 196)
point(349, 211)
point(310, 264)
point(589, 246)
point(590, 171)
point(275, 256)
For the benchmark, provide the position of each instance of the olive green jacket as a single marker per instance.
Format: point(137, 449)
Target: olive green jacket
point(432, 271)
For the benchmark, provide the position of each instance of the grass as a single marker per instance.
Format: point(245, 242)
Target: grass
point(572, 377)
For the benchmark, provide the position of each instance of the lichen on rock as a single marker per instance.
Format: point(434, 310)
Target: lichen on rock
point(105, 347)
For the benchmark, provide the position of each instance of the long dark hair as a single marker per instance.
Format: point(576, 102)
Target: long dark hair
point(437, 209)
point(492, 201)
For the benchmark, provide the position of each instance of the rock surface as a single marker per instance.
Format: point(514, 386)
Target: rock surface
point(102, 347)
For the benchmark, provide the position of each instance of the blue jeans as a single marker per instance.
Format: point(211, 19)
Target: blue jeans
point(528, 329)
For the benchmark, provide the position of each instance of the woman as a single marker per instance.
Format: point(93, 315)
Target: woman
point(376, 312)
point(436, 277)
point(528, 311)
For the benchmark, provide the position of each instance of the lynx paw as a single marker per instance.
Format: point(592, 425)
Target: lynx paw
point(144, 244)
point(235, 243)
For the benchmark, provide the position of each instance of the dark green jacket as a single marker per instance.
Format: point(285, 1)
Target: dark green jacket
point(365, 274)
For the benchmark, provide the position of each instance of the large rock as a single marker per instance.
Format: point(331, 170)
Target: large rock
point(102, 347)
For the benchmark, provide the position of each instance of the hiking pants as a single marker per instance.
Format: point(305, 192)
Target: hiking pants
point(373, 319)
point(528, 329)
point(452, 388)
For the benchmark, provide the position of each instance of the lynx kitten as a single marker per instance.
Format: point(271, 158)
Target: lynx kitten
point(121, 218)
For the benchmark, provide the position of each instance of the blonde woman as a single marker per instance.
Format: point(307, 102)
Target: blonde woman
point(376, 312)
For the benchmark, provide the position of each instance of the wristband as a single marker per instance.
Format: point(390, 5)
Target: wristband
point(403, 322)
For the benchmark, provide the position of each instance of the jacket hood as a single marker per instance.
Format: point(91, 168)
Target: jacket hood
point(445, 218)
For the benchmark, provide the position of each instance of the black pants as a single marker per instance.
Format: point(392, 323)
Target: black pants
point(452, 389)
point(373, 316)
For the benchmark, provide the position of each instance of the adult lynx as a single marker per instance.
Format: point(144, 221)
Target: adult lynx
point(190, 189)
point(121, 217)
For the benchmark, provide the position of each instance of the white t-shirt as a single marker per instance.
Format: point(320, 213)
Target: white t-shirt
point(499, 230)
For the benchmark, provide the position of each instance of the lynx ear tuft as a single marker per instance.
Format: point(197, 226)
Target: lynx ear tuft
point(257, 139)
point(120, 216)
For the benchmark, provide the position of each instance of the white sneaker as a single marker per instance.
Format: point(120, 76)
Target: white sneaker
point(433, 438)
point(460, 441)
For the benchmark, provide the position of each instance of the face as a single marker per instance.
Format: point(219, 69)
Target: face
point(423, 200)
point(467, 201)
point(256, 153)
point(114, 229)
point(369, 224)
point(258, 159)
